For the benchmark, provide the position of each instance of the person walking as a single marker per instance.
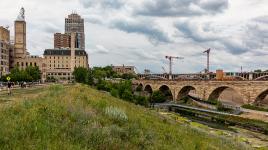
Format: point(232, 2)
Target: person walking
point(9, 84)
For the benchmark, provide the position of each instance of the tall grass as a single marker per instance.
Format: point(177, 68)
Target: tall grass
point(79, 117)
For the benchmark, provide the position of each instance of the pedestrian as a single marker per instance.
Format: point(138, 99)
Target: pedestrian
point(9, 84)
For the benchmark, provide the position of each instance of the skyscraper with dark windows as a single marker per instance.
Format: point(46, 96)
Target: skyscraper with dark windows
point(75, 24)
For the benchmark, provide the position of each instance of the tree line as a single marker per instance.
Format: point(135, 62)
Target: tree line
point(118, 85)
point(29, 74)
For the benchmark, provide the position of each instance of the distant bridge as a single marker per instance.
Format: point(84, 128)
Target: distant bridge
point(249, 91)
point(249, 76)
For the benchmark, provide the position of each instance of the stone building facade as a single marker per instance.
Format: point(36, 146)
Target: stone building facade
point(124, 69)
point(59, 62)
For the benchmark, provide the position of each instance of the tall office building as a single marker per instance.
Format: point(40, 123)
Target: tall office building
point(75, 24)
point(20, 36)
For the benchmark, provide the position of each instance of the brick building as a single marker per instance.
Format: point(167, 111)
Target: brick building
point(62, 40)
point(4, 50)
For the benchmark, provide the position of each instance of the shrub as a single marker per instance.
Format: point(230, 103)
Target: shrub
point(116, 114)
point(127, 95)
point(114, 92)
point(141, 100)
point(158, 97)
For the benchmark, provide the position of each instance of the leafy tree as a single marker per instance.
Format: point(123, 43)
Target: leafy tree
point(29, 74)
point(81, 75)
point(258, 70)
point(34, 72)
point(124, 86)
point(128, 76)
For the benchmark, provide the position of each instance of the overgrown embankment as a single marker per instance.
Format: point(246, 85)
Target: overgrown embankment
point(78, 117)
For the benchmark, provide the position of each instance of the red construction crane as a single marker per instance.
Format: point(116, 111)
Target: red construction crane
point(170, 58)
point(208, 53)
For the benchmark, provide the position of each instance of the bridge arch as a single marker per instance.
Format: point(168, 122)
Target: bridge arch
point(148, 88)
point(185, 91)
point(232, 95)
point(166, 90)
point(261, 99)
point(139, 87)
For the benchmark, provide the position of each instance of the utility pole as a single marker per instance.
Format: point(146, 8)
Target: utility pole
point(170, 58)
point(208, 53)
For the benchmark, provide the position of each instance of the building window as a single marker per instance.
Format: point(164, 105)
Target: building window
point(35, 64)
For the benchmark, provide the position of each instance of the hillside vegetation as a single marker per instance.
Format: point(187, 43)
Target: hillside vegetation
point(79, 117)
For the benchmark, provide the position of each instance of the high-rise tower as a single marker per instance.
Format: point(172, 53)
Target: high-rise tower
point(20, 36)
point(75, 24)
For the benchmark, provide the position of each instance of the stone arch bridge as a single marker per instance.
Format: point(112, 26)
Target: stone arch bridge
point(249, 91)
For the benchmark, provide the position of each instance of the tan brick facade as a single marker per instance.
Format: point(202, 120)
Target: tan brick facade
point(124, 69)
point(20, 39)
point(4, 51)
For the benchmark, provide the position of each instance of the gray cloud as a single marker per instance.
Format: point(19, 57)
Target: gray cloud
point(175, 8)
point(114, 4)
point(257, 34)
point(153, 33)
point(205, 34)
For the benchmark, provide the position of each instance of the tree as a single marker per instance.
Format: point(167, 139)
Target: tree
point(128, 76)
point(29, 74)
point(258, 70)
point(127, 95)
point(81, 75)
point(34, 72)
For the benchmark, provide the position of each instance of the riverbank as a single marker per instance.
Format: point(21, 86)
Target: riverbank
point(256, 140)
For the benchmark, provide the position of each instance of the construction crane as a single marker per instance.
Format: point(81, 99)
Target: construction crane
point(208, 53)
point(163, 68)
point(170, 58)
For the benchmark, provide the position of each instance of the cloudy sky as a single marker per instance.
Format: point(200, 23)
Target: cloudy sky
point(142, 32)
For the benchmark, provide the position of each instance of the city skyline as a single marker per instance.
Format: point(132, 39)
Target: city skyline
point(141, 34)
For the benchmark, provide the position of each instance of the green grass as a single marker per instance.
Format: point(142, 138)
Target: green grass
point(79, 117)
point(253, 107)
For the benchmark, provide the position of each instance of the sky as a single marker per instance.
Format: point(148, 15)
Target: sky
point(143, 32)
